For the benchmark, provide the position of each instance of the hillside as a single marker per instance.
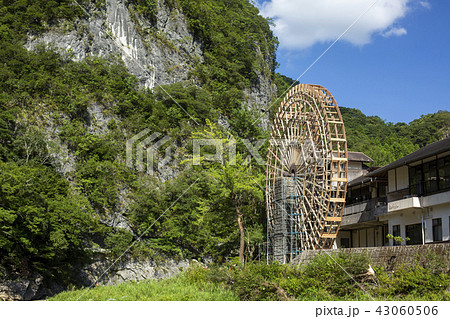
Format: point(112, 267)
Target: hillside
point(77, 83)
point(387, 142)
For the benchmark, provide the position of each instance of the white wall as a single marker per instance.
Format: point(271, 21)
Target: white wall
point(414, 216)
point(439, 211)
point(354, 165)
point(398, 178)
point(354, 170)
point(366, 237)
point(391, 181)
point(402, 177)
point(407, 217)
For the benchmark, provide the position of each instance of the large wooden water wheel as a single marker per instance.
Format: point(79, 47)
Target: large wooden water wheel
point(306, 173)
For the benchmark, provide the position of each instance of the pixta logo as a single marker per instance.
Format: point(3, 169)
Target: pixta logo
point(145, 150)
point(142, 151)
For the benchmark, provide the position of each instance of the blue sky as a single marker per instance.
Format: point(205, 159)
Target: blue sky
point(394, 62)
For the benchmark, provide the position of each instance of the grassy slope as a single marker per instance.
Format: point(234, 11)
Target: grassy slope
point(178, 288)
point(321, 279)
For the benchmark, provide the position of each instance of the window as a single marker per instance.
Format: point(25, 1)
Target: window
point(444, 172)
point(415, 180)
point(437, 229)
point(385, 233)
point(381, 189)
point(345, 242)
point(414, 232)
point(358, 194)
point(396, 233)
point(430, 177)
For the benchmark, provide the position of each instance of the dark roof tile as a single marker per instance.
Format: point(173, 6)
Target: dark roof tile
point(426, 151)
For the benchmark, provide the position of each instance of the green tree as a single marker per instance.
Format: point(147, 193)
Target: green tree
point(43, 226)
point(237, 186)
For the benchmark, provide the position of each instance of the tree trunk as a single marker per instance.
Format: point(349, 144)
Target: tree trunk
point(242, 237)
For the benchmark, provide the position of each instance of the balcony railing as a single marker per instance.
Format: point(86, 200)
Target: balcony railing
point(375, 204)
point(367, 211)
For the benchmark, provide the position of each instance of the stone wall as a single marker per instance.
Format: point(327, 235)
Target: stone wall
point(390, 256)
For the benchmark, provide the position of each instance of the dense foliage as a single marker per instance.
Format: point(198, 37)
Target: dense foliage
point(43, 225)
point(387, 142)
point(231, 32)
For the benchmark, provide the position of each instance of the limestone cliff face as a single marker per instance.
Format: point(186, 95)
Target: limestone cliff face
point(262, 93)
point(158, 54)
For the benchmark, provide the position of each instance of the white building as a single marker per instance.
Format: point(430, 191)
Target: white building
point(407, 198)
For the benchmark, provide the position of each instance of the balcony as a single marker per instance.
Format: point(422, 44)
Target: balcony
point(367, 211)
point(405, 203)
point(409, 202)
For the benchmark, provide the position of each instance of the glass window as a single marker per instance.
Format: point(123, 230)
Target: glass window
point(345, 243)
point(443, 166)
point(430, 177)
point(382, 190)
point(365, 193)
point(437, 229)
point(441, 172)
point(414, 232)
point(415, 180)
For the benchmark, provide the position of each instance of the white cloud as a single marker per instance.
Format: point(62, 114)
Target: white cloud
point(302, 23)
point(425, 4)
point(394, 32)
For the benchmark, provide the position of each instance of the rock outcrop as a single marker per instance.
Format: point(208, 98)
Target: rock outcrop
point(129, 270)
point(100, 272)
point(32, 288)
point(158, 54)
point(164, 52)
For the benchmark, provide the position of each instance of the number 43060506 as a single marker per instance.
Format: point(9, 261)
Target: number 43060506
point(407, 310)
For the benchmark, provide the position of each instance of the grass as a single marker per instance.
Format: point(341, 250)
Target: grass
point(178, 288)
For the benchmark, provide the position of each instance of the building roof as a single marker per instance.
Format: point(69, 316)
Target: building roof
point(359, 180)
point(365, 179)
point(358, 157)
point(426, 151)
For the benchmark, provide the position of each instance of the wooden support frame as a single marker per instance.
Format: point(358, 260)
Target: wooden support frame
point(308, 149)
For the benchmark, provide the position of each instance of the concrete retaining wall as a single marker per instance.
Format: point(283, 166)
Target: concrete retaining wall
point(390, 256)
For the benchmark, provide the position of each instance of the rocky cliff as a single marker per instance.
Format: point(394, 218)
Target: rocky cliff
point(161, 53)
point(100, 271)
point(158, 54)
